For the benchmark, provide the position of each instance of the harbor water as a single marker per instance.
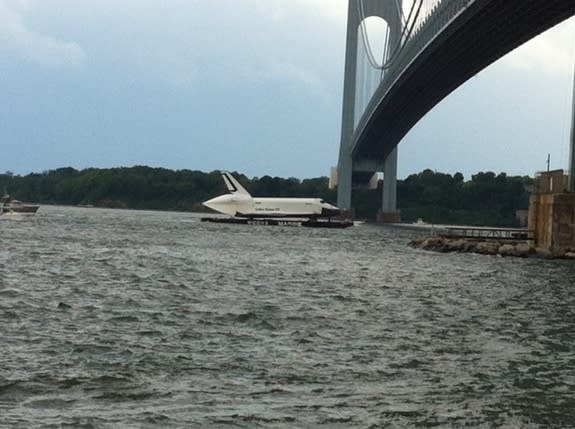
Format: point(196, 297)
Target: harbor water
point(136, 319)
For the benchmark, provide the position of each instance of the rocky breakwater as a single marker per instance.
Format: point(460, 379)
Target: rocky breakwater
point(486, 247)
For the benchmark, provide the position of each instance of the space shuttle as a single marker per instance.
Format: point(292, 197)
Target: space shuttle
point(240, 203)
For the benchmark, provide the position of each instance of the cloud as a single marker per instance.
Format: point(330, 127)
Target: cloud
point(277, 10)
point(32, 46)
point(330, 9)
point(550, 53)
point(294, 73)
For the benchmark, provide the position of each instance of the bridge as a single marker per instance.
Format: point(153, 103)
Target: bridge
point(431, 48)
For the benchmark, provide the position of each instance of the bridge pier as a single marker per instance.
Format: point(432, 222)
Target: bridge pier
point(389, 212)
point(344, 182)
point(552, 213)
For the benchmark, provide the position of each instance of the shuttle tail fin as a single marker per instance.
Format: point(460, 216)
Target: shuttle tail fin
point(233, 185)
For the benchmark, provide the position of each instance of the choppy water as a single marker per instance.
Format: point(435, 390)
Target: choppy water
point(123, 319)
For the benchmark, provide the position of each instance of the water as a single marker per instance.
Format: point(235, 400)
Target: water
point(124, 319)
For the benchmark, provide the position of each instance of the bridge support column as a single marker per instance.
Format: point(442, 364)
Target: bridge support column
point(345, 163)
point(389, 212)
point(344, 173)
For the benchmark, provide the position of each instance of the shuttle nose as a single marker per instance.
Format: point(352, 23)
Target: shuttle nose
point(222, 204)
point(215, 203)
point(210, 203)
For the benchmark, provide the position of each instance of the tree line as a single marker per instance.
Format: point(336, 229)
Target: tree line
point(487, 199)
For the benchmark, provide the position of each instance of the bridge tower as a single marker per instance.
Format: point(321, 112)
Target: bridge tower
point(390, 11)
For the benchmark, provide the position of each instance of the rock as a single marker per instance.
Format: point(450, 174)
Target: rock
point(507, 250)
point(570, 255)
point(488, 247)
point(416, 243)
point(433, 243)
point(457, 245)
point(470, 246)
point(524, 249)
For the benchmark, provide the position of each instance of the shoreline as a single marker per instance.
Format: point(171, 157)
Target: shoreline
point(493, 247)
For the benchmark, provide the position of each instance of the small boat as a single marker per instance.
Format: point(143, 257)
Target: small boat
point(8, 205)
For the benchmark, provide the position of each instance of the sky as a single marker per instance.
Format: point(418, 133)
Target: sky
point(253, 86)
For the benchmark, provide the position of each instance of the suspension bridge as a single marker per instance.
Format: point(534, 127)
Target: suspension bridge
point(431, 47)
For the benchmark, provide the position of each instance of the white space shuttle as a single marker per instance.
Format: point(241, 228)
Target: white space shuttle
point(240, 203)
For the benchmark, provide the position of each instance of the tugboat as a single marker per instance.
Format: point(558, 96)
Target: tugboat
point(8, 205)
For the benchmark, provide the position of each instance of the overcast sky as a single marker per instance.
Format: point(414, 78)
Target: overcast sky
point(247, 85)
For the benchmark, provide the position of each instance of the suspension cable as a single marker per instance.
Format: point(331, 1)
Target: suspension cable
point(385, 52)
point(364, 36)
point(410, 23)
point(404, 37)
point(400, 9)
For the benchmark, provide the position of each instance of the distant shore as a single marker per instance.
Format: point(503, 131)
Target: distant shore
point(484, 199)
